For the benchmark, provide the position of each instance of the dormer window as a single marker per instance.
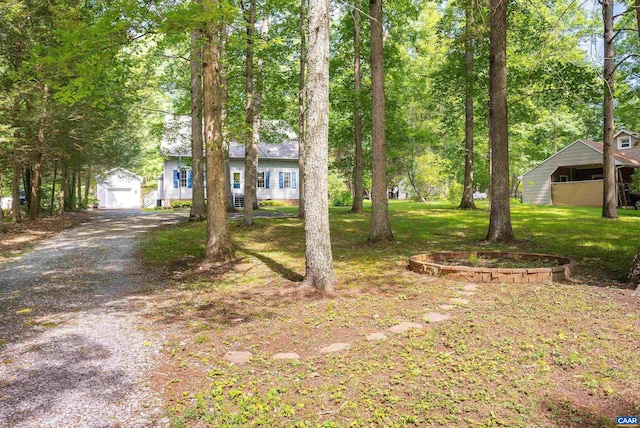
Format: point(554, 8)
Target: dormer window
point(624, 143)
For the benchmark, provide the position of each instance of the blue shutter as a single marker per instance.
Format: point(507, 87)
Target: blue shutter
point(293, 180)
point(176, 178)
point(266, 179)
point(190, 179)
point(282, 180)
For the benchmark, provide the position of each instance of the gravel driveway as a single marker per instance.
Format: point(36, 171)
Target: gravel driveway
point(75, 350)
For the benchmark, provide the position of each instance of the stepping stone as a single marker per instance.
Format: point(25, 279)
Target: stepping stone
point(470, 287)
point(238, 357)
point(376, 336)
point(458, 301)
point(446, 307)
point(436, 317)
point(466, 293)
point(336, 347)
point(405, 326)
point(286, 356)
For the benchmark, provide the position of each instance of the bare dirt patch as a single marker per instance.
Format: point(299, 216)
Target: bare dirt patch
point(514, 356)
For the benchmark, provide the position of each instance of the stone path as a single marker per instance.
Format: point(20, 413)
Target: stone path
point(468, 290)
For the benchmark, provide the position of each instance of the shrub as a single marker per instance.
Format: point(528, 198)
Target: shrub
point(455, 192)
point(341, 199)
point(272, 204)
point(181, 204)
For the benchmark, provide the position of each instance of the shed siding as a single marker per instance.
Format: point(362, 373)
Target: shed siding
point(578, 193)
point(536, 183)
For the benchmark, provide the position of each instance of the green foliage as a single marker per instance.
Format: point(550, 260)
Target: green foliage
point(428, 175)
point(634, 186)
point(271, 204)
point(342, 199)
point(181, 204)
point(339, 194)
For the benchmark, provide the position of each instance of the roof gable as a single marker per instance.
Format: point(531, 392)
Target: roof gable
point(119, 171)
point(620, 158)
point(626, 132)
point(278, 140)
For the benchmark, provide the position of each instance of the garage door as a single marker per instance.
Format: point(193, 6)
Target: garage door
point(120, 198)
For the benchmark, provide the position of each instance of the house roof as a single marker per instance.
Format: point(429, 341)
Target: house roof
point(105, 176)
point(620, 158)
point(618, 155)
point(277, 140)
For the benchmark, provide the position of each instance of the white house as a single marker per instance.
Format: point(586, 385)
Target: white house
point(118, 188)
point(278, 175)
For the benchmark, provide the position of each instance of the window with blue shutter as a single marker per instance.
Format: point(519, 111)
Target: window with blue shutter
point(266, 180)
point(293, 180)
point(176, 178)
point(190, 179)
point(281, 180)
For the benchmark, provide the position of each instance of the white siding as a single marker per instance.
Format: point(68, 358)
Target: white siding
point(536, 183)
point(275, 167)
point(171, 192)
point(119, 189)
point(237, 165)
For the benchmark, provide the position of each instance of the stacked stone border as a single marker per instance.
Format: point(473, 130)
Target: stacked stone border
point(426, 264)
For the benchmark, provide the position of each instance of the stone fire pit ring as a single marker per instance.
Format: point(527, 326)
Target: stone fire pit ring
point(432, 264)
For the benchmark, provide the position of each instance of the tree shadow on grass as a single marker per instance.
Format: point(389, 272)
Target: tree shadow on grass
point(277, 268)
point(567, 413)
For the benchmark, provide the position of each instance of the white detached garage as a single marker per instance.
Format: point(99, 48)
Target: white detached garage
point(118, 188)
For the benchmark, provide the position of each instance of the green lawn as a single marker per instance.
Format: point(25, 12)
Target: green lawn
point(515, 355)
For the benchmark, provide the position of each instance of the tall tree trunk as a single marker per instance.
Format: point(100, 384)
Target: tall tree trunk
point(250, 145)
point(224, 83)
point(257, 103)
point(301, 104)
point(219, 247)
point(26, 183)
point(79, 183)
point(71, 193)
point(467, 193)
point(87, 185)
point(634, 273)
point(15, 192)
point(319, 260)
point(227, 184)
point(358, 192)
point(198, 210)
point(2, 226)
point(609, 209)
point(36, 186)
point(500, 218)
point(380, 227)
point(64, 187)
point(638, 16)
point(53, 189)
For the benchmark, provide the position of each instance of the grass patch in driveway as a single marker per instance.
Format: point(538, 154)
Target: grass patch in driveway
point(514, 355)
